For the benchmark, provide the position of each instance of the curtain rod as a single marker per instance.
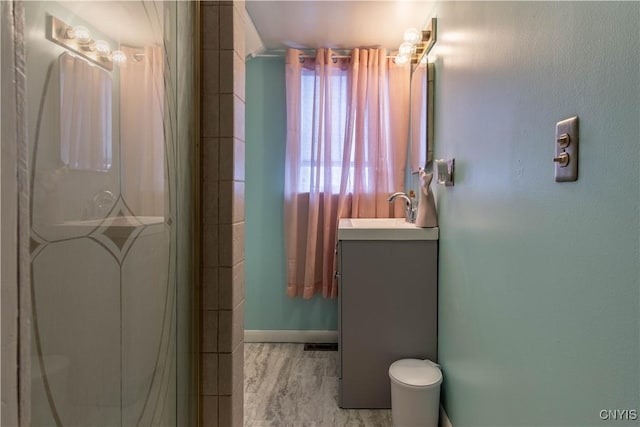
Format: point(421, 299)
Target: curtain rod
point(302, 56)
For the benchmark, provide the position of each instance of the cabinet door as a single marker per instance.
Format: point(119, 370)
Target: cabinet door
point(388, 312)
point(339, 281)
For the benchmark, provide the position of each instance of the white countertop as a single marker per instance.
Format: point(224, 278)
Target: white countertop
point(383, 229)
point(80, 228)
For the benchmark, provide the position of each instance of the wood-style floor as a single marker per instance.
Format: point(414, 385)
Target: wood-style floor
point(285, 386)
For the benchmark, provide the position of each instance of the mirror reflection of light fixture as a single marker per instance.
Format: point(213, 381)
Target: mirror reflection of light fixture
point(102, 48)
point(118, 56)
point(77, 39)
point(80, 33)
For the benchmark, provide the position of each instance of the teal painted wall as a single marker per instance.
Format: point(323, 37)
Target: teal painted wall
point(267, 306)
point(539, 281)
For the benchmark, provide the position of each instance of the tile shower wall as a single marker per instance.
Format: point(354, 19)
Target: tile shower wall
point(222, 141)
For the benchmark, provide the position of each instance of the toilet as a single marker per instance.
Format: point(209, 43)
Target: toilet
point(415, 393)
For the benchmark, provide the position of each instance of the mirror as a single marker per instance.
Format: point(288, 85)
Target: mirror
point(85, 115)
point(421, 102)
point(421, 110)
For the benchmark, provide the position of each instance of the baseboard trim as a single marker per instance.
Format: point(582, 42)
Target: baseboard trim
point(291, 336)
point(444, 418)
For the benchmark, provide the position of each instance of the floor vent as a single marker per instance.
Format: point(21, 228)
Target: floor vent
point(321, 346)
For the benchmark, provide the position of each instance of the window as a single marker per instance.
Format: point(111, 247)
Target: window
point(322, 164)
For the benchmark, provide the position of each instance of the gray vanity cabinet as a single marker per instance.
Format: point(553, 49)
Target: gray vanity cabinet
point(387, 310)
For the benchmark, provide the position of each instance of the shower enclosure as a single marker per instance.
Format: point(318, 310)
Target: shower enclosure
point(109, 111)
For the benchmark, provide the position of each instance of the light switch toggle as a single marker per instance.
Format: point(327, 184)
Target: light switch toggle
point(562, 159)
point(564, 140)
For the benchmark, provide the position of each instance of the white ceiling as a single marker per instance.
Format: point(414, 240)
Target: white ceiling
point(333, 23)
point(273, 25)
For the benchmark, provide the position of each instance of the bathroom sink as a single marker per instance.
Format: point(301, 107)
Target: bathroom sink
point(383, 229)
point(379, 223)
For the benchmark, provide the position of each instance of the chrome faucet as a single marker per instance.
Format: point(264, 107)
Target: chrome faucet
point(410, 209)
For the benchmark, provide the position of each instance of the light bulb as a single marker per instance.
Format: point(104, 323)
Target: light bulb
point(119, 57)
point(81, 34)
point(413, 36)
point(402, 59)
point(405, 48)
point(102, 47)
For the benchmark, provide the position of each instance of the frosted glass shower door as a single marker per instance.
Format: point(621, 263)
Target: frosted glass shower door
point(110, 143)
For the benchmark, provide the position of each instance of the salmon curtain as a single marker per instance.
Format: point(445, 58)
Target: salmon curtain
point(346, 151)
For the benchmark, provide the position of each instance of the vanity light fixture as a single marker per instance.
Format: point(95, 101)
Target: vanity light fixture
point(405, 48)
point(402, 59)
point(413, 36)
point(417, 44)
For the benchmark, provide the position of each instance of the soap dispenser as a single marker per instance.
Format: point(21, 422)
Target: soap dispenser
point(427, 216)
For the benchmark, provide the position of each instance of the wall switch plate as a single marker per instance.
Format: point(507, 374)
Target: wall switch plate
point(445, 171)
point(566, 150)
